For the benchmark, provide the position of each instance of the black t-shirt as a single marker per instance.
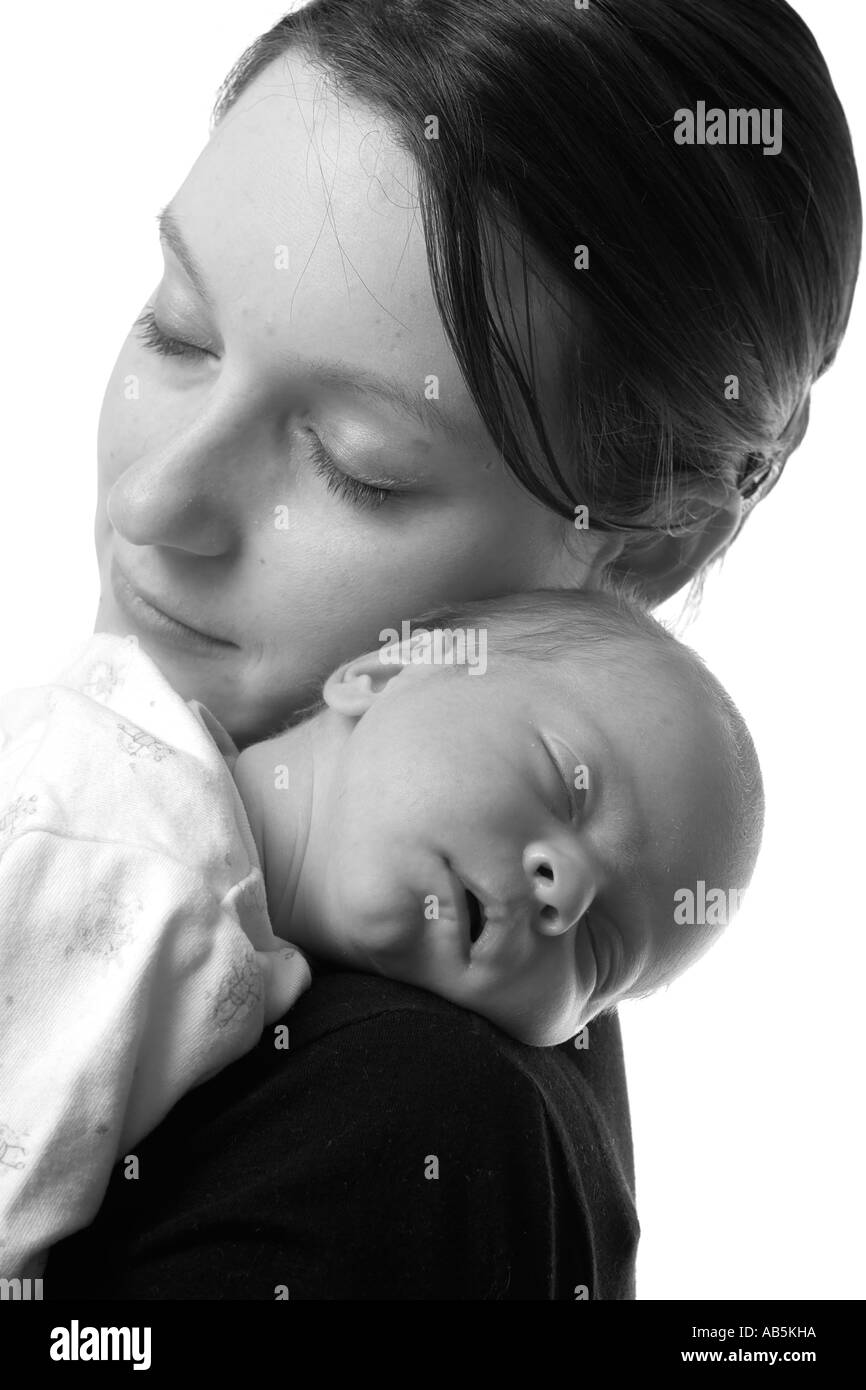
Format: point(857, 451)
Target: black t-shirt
point(399, 1148)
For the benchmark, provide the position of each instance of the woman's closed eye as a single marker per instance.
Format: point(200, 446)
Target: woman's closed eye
point(354, 490)
point(159, 341)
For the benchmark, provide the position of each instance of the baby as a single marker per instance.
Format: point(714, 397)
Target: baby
point(512, 839)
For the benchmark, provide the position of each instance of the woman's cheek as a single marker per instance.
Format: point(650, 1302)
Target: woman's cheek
point(126, 407)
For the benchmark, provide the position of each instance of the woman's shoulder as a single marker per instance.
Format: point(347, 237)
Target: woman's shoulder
point(371, 1046)
point(377, 1142)
point(404, 1038)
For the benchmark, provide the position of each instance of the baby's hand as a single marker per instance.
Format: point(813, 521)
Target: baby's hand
point(285, 974)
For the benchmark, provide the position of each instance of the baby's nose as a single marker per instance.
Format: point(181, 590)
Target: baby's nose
point(561, 883)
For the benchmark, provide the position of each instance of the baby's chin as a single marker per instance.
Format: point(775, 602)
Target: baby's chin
point(388, 945)
point(334, 947)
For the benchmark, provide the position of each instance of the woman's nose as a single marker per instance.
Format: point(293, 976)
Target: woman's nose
point(181, 496)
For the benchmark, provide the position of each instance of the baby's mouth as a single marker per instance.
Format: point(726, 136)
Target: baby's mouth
point(476, 917)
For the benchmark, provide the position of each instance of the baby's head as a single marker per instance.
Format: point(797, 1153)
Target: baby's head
point(517, 816)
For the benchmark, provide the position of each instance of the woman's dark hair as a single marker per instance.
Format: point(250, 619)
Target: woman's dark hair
point(707, 262)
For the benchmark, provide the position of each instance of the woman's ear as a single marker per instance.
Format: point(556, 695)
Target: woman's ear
point(661, 565)
point(353, 687)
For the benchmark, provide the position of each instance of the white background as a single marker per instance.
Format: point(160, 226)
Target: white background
point(746, 1077)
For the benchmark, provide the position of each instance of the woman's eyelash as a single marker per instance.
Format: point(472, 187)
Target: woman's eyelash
point(153, 337)
point(360, 494)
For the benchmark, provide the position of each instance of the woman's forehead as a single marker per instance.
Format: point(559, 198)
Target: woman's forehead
point(301, 212)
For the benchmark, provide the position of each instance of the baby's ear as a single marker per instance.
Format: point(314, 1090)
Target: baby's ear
point(353, 687)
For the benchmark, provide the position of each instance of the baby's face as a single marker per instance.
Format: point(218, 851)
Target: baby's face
point(501, 839)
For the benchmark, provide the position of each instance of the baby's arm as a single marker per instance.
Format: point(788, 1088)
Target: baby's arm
point(126, 981)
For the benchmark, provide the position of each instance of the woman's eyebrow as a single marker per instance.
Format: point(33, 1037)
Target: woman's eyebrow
point(172, 237)
point(428, 413)
point(415, 406)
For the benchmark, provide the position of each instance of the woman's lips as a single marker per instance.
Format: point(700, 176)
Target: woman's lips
point(155, 622)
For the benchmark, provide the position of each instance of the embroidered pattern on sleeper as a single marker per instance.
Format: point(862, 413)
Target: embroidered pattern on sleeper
point(142, 745)
point(16, 812)
point(103, 680)
point(115, 916)
point(12, 1151)
point(239, 992)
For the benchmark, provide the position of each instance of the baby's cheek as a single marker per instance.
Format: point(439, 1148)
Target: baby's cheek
point(373, 904)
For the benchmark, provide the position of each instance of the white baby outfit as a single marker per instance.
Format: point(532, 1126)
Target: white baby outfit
point(136, 953)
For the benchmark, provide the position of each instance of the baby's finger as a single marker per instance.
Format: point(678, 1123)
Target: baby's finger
point(285, 974)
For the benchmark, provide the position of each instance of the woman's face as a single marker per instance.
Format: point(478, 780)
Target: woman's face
point(260, 483)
